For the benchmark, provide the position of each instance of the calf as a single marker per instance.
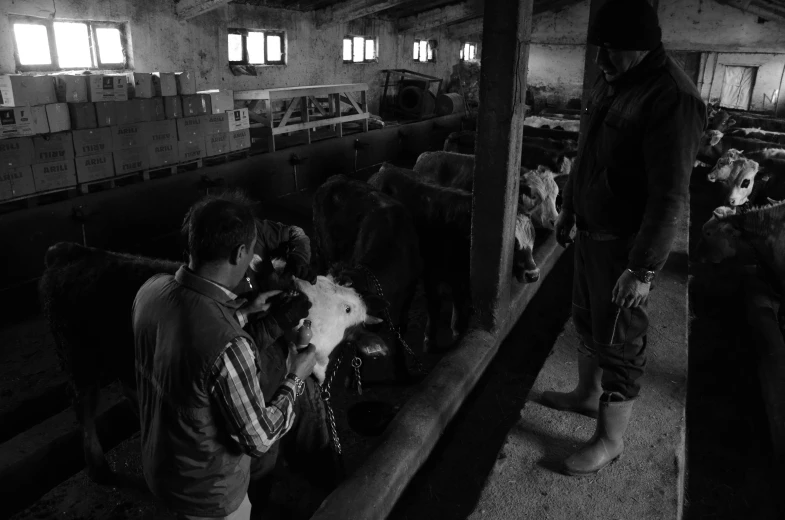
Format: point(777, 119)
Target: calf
point(538, 190)
point(556, 124)
point(556, 155)
point(709, 147)
point(87, 296)
point(760, 135)
point(736, 172)
point(718, 119)
point(373, 238)
point(443, 219)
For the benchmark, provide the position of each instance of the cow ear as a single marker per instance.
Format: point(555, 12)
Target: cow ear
point(724, 211)
point(525, 189)
point(715, 139)
point(541, 168)
point(373, 320)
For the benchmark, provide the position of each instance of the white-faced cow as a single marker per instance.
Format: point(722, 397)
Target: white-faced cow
point(87, 296)
point(443, 219)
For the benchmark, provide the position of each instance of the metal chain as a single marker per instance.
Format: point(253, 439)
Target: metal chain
point(357, 363)
point(328, 407)
point(418, 367)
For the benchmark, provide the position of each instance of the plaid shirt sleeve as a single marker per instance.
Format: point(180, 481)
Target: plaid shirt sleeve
point(253, 424)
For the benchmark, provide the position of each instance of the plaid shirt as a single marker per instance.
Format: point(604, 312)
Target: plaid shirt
point(252, 423)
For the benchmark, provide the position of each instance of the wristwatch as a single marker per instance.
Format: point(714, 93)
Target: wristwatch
point(299, 384)
point(643, 275)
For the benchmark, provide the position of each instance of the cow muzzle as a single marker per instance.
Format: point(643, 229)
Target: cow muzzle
point(524, 275)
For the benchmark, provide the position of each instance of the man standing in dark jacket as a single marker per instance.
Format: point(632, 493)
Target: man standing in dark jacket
point(626, 194)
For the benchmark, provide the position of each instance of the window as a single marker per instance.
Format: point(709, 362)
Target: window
point(425, 50)
point(469, 51)
point(45, 44)
point(256, 47)
point(737, 87)
point(359, 49)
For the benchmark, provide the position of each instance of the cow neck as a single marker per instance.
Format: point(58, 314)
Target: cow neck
point(762, 221)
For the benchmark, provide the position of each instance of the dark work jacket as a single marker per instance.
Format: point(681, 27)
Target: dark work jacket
point(182, 324)
point(632, 173)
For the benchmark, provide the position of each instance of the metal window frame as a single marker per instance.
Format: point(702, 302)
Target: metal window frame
point(243, 38)
point(282, 36)
point(92, 42)
point(351, 38)
point(472, 44)
point(265, 33)
point(429, 44)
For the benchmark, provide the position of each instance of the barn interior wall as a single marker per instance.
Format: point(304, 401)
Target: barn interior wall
point(160, 41)
point(722, 34)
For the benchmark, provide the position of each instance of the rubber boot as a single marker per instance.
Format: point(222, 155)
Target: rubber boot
point(585, 398)
point(607, 444)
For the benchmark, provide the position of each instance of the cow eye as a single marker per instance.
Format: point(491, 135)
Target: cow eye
point(348, 310)
point(745, 183)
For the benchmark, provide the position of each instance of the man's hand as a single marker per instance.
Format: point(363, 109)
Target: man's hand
point(260, 303)
point(564, 224)
point(299, 269)
point(629, 292)
point(301, 362)
point(288, 313)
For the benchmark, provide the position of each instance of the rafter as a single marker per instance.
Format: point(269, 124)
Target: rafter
point(187, 9)
point(351, 10)
point(433, 18)
point(766, 10)
point(473, 26)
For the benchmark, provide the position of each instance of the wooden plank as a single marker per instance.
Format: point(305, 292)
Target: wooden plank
point(290, 92)
point(505, 59)
point(271, 123)
point(319, 123)
point(364, 105)
point(187, 9)
point(352, 102)
point(434, 18)
point(288, 114)
point(306, 117)
point(318, 106)
point(351, 10)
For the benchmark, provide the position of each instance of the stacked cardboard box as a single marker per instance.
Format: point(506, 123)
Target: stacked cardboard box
point(93, 151)
point(16, 174)
point(227, 132)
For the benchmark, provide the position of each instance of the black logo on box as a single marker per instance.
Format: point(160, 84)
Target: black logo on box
point(137, 164)
point(9, 146)
point(95, 161)
point(164, 148)
point(106, 83)
point(237, 115)
point(7, 117)
point(56, 168)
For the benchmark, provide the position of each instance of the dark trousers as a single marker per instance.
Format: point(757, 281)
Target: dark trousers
point(615, 335)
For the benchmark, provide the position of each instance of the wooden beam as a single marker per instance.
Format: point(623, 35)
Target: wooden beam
point(766, 10)
point(187, 9)
point(465, 28)
point(351, 10)
point(505, 59)
point(433, 18)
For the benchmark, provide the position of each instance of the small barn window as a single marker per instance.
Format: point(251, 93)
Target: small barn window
point(424, 50)
point(45, 44)
point(359, 49)
point(469, 51)
point(247, 47)
point(737, 86)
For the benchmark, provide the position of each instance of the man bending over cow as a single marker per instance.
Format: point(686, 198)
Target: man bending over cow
point(626, 195)
point(203, 414)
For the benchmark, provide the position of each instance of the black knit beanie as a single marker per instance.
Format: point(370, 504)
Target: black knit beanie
point(626, 25)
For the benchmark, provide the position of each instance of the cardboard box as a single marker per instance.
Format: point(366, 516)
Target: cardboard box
point(130, 160)
point(40, 121)
point(94, 167)
point(162, 154)
point(157, 110)
point(215, 124)
point(124, 113)
point(143, 85)
point(216, 144)
point(71, 88)
point(105, 113)
point(91, 142)
point(16, 122)
point(220, 100)
point(164, 84)
point(54, 175)
point(239, 139)
point(59, 117)
point(15, 153)
point(238, 119)
point(186, 82)
point(190, 128)
point(195, 105)
point(53, 147)
point(142, 109)
point(130, 136)
point(16, 182)
point(18, 91)
point(82, 116)
point(162, 131)
point(191, 149)
point(107, 87)
point(173, 107)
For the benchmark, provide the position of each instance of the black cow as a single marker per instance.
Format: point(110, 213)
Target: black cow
point(364, 230)
point(443, 218)
point(87, 296)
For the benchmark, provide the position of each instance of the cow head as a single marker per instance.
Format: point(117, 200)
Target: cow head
point(719, 238)
point(740, 181)
point(338, 314)
point(720, 120)
point(524, 268)
point(537, 194)
point(722, 169)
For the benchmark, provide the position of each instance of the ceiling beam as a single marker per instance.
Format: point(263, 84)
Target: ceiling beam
point(187, 9)
point(433, 18)
point(473, 26)
point(351, 10)
point(761, 9)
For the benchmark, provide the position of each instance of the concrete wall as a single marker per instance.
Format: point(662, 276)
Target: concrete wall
point(725, 35)
point(161, 42)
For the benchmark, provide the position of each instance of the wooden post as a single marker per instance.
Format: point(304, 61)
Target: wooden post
point(364, 106)
point(505, 42)
point(306, 117)
point(270, 116)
